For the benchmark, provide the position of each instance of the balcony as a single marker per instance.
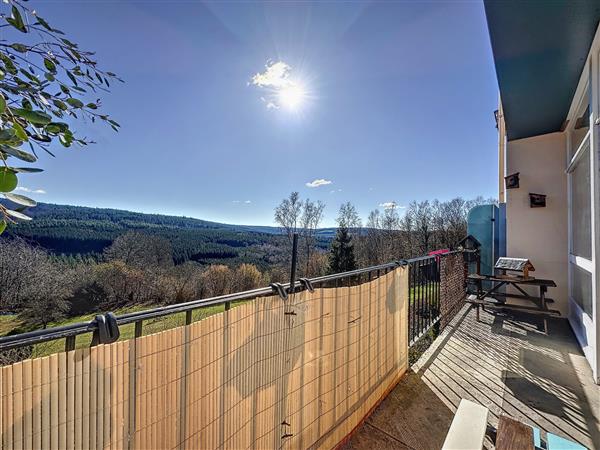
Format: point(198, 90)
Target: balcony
point(502, 362)
point(322, 363)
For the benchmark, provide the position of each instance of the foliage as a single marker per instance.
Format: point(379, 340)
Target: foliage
point(247, 277)
point(75, 231)
point(46, 80)
point(341, 254)
point(217, 280)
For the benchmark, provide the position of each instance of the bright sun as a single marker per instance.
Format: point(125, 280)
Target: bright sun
point(291, 96)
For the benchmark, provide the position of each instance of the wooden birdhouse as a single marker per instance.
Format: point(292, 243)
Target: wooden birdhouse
point(537, 200)
point(521, 265)
point(512, 181)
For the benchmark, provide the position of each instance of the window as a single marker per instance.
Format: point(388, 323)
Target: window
point(581, 207)
point(581, 127)
point(581, 288)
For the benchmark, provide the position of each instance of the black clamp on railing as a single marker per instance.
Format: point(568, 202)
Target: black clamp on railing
point(307, 284)
point(401, 263)
point(279, 290)
point(108, 329)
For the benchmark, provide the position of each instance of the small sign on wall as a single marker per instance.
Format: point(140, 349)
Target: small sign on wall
point(512, 181)
point(537, 200)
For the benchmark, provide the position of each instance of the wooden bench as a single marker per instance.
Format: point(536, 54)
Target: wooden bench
point(468, 427)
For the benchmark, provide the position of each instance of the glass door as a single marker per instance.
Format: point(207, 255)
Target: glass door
point(581, 227)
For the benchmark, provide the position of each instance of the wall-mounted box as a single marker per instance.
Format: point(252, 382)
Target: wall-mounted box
point(512, 181)
point(537, 200)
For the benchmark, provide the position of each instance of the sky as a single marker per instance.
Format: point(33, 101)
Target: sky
point(227, 107)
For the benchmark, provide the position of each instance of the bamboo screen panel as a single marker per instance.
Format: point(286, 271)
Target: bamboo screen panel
point(267, 374)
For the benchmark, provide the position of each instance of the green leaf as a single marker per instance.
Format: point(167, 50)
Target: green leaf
point(2, 226)
point(2, 104)
point(43, 23)
point(17, 215)
point(21, 48)
point(57, 127)
point(35, 117)
point(69, 43)
point(17, 153)
point(50, 65)
point(16, 20)
point(27, 169)
point(20, 199)
point(8, 64)
point(20, 131)
point(72, 77)
point(74, 102)
point(92, 106)
point(8, 136)
point(60, 104)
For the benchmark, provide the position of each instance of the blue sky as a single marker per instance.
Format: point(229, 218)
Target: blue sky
point(398, 106)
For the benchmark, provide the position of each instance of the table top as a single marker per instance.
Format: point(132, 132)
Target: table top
point(531, 281)
point(513, 434)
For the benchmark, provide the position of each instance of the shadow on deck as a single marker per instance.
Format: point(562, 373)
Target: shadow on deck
point(502, 362)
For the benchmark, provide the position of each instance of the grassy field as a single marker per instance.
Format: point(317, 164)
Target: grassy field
point(9, 323)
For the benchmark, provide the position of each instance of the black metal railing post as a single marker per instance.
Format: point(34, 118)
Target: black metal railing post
point(294, 263)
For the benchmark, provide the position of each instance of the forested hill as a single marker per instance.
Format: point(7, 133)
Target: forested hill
point(77, 230)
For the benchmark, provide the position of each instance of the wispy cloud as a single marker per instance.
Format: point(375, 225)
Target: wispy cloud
point(30, 191)
point(245, 202)
point(390, 205)
point(276, 75)
point(333, 191)
point(318, 182)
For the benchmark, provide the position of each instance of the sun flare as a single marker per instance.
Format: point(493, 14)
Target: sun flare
point(283, 89)
point(291, 96)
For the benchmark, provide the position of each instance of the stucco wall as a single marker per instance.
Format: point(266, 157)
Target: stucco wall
point(540, 234)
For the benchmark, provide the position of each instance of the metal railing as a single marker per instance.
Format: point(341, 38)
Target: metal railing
point(424, 295)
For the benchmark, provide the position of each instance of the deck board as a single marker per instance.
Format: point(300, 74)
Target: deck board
point(502, 362)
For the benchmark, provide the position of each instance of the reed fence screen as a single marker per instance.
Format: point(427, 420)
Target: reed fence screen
point(268, 373)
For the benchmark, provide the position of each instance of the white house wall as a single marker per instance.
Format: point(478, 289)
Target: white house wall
point(540, 234)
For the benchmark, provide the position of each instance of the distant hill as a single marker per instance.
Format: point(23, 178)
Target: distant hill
point(78, 230)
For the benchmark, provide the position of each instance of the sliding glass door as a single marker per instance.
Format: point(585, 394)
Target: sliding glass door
point(582, 173)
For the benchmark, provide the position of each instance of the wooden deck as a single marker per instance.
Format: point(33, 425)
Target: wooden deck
point(502, 362)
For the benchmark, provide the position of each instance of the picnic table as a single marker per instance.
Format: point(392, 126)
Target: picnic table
point(485, 297)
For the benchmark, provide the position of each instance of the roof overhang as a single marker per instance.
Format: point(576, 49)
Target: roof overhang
point(539, 50)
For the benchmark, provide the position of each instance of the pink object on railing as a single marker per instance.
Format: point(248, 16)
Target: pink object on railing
point(437, 253)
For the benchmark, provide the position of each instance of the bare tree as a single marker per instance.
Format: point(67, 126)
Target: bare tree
point(247, 277)
point(312, 215)
point(45, 300)
point(303, 217)
point(288, 213)
point(141, 250)
point(217, 280)
point(348, 217)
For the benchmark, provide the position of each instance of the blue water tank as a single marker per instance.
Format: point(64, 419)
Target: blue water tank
point(487, 224)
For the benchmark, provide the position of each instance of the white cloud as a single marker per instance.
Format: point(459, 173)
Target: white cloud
point(318, 182)
point(30, 191)
point(276, 75)
point(235, 201)
point(247, 202)
point(278, 87)
point(391, 205)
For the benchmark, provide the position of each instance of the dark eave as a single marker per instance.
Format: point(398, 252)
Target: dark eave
point(540, 48)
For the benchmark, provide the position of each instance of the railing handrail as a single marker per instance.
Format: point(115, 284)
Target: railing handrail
point(75, 329)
